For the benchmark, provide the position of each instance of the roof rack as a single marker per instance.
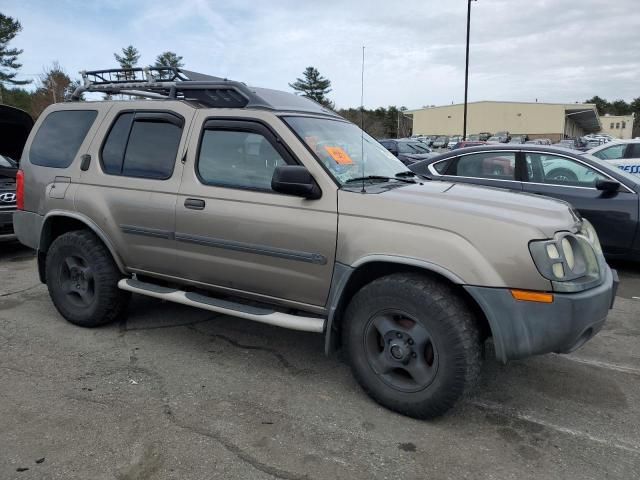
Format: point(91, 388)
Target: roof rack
point(171, 83)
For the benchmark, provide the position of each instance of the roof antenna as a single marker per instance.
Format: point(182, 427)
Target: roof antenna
point(362, 121)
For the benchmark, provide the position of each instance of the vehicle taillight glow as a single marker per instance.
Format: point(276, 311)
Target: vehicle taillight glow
point(20, 190)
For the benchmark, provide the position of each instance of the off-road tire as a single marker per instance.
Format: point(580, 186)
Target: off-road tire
point(449, 321)
point(108, 303)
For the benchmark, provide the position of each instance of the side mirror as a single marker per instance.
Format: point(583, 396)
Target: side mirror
point(608, 186)
point(295, 180)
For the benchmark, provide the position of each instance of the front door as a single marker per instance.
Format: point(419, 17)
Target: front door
point(614, 216)
point(234, 232)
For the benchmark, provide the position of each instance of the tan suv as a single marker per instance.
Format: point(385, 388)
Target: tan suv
point(264, 205)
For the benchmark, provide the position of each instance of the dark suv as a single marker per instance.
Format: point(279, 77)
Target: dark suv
point(15, 126)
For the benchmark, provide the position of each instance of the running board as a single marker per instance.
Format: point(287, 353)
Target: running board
point(257, 314)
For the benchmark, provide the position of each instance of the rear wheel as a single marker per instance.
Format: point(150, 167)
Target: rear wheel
point(562, 175)
point(413, 344)
point(82, 279)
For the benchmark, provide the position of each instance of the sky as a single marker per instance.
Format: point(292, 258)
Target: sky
point(544, 50)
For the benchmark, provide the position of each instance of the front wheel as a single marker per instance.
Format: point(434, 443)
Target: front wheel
point(413, 344)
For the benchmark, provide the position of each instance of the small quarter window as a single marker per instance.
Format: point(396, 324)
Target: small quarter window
point(59, 137)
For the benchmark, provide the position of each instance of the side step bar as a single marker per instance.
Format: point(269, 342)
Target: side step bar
point(258, 314)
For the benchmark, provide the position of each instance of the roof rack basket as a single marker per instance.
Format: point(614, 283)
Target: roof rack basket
point(168, 83)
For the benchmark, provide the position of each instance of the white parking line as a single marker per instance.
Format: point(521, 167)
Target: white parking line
point(509, 412)
point(599, 364)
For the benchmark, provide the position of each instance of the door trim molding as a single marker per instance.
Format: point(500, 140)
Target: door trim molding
point(315, 258)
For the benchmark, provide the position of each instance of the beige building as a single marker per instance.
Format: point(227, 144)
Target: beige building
point(618, 126)
point(538, 120)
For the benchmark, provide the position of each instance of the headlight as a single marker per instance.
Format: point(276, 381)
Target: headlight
point(591, 235)
point(569, 261)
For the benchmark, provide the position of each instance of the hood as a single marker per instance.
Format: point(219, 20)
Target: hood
point(460, 207)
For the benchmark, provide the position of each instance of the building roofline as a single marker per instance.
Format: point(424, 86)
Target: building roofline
point(566, 105)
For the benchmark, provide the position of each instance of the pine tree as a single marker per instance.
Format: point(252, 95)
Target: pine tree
point(314, 86)
point(168, 59)
point(128, 59)
point(9, 65)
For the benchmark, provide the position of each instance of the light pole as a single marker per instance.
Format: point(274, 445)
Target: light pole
point(466, 70)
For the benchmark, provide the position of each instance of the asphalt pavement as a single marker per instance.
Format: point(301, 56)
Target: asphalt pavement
point(178, 393)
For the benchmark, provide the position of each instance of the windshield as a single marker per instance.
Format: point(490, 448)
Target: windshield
point(344, 150)
point(7, 162)
point(419, 148)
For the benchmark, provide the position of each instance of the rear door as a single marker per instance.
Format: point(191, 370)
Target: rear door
point(493, 168)
point(130, 186)
point(615, 216)
point(234, 232)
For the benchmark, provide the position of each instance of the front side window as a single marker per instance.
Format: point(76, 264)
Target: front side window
point(556, 170)
point(59, 137)
point(491, 165)
point(345, 151)
point(240, 159)
point(614, 152)
point(142, 145)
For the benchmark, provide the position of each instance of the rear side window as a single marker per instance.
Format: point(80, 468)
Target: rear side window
point(59, 137)
point(490, 165)
point(142, 144)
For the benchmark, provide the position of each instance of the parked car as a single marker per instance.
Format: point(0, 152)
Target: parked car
point(518, 139)
point(545, 141)
point(406, 150)
point(15, 125)
point(464, 144)
point(440, 142)
point(453, 140)
point(8, 170)
point(625, 154)
point(533, 142)
point(572, 143)
point(497, 139)
point(505, 135)
point(484, 136)
point(473, 138)
point(169, 199)
point(602, 193)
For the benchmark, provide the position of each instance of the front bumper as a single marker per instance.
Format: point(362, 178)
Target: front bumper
point(521, 329)
point(6, 223)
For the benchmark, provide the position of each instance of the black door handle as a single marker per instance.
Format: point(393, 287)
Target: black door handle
point(194, 204)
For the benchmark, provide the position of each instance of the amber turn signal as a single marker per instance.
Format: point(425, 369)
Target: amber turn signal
point(529, 296)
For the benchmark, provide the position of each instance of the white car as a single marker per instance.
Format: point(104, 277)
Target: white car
point(453, 141)
point(625, 154)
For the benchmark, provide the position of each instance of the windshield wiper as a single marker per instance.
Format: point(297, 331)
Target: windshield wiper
point(406, 173)
point(378, 177)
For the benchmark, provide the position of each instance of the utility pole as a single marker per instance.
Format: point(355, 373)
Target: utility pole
point(466, 70)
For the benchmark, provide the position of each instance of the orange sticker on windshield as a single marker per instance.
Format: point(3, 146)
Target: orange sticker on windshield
point(339, 155)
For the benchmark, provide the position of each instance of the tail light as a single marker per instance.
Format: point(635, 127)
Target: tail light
point(20, 190)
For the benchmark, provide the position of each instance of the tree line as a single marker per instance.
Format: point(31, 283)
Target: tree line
point(55, 85)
